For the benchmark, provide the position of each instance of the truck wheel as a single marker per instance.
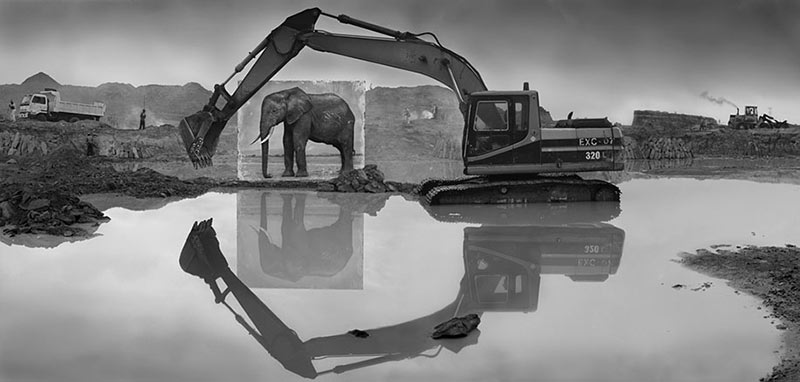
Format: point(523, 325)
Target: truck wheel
point(41, 117)
point(74, 119)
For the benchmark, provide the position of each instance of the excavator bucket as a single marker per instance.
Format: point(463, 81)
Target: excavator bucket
point(200, 135)
point(200, 255)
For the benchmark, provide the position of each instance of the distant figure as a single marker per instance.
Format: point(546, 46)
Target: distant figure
point(141, 119)
point(13, 111)
point(407, 116)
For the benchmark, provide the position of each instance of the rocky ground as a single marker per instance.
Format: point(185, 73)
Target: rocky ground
point(771, 274)
point(39, 194)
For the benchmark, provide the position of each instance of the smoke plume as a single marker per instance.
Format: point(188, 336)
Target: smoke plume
point(717, 100)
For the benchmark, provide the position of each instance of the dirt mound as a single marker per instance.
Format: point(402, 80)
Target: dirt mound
point(46, 212)
point(67, 170)
point(368, 179)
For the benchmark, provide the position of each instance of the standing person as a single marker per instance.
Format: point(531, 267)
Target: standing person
point(141, 119)
point(13, 111)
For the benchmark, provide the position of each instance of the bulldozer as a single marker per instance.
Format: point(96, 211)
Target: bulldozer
point(751, 120)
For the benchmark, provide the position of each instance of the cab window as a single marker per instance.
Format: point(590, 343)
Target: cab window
point(491, 116)
point(39, 100)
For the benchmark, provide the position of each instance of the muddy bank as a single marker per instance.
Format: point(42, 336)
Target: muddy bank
point(769, 273)
point(39, 194)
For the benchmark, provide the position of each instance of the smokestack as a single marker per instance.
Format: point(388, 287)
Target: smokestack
point(719, 100)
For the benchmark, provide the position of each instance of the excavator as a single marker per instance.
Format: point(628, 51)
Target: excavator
point(504, 260)
point(505, 148)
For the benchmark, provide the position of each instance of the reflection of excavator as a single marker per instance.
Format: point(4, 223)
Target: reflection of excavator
point(503, 267)
point(503, 142)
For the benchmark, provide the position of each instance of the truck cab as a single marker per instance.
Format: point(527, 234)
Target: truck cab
point(32, 105)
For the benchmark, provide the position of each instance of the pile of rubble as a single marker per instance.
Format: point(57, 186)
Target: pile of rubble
point(368, 179)
point(46, 212)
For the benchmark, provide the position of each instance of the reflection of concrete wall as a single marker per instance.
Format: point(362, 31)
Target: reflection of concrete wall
point(302, 264)
point(250, 114)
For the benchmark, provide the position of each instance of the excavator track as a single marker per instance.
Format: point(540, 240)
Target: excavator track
point(543, 189)
point(428, 184)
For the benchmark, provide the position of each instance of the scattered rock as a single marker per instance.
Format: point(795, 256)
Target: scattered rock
point(368, 179)
point(678, 286)
point(11, 161)
point(47, 212)
point(702, 287)
point(456, 327)
point(781, 327)
point(358, 333)
point(6, 210)
point(37, 204)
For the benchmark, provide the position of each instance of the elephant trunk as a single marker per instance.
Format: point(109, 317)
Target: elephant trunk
point(265, 151)
point(265, 159)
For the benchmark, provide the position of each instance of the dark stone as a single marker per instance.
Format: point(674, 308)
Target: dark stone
point(374, 187)
point(456, 327)
point(38, 204)
point(6, 210)
point(358, 333)
point(326, 187)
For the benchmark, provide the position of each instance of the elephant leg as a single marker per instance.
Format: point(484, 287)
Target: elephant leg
point(347, 158)
point(300, 152)
point(288, 154)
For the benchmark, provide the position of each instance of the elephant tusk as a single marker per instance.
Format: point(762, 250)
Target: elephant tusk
point(265, 139)
point(261, 230)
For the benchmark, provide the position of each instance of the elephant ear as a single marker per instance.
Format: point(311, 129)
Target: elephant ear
point(297, 104)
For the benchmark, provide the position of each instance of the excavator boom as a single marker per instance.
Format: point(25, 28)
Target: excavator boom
point(200, 132)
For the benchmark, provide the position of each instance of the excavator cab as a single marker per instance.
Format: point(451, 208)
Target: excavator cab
point(503, 135)
point(498, 126)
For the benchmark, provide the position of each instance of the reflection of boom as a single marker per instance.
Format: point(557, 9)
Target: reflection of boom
point(502, 273)
point(503, 135)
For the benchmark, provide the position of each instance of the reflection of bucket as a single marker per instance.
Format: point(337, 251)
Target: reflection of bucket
point(207, 263)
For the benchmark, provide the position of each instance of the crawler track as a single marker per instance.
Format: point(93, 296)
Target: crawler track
point(542, 189)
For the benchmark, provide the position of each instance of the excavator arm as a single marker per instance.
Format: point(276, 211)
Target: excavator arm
point(200, 132)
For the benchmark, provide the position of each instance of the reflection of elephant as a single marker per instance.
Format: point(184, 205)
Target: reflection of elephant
point(323, 118)
point(322, 251)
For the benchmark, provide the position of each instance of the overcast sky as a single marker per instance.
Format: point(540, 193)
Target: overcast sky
point(598, 58)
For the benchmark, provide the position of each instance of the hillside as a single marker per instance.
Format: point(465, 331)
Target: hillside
point(390, 136)
point(165, 104)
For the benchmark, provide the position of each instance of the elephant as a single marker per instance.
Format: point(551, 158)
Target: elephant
point(323, 118)
point(323, 251)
